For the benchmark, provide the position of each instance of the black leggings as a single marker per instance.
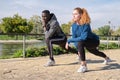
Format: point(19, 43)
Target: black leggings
point(61, 41)
point(91, 45)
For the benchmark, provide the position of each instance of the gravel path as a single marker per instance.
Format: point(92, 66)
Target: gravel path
point(65, 69)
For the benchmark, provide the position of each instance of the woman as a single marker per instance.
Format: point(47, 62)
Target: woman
point(83, 37)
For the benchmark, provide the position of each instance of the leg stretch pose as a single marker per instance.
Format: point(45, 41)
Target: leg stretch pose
point(83, 36)
point(61, 41)
point(53, 34)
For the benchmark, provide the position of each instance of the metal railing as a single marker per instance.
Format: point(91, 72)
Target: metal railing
point(24, 38)
point(107, 39)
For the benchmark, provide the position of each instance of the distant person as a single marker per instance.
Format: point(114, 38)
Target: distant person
point(53, 34)
point(83, 37)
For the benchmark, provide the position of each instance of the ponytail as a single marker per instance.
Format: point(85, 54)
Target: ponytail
point(85, 19)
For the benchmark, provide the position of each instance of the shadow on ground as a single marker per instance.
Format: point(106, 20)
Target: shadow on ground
point(106, 67)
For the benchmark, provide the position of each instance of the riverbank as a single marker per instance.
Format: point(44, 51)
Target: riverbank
point(19, 41)
point(34, 40)
point(65, 69)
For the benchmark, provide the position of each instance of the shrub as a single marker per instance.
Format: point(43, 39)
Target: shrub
point(35, 52)
point(102, 46)
point(18, 54)
point(42, 51)
point(112, 46)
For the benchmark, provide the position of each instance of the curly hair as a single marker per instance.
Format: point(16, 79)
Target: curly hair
point(85, 19)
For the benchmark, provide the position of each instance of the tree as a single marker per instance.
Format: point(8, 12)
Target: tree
point(117, 32)
point(37, 24)
point(105, 30)
point(95, 31)
point(16, 24)
point(0, 28)
point(66, 28)
point(5, 24)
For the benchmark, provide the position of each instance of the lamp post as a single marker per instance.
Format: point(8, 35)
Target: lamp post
point(109, 22)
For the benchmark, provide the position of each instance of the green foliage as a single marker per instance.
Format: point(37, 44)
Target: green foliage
point(105, 30)
point(95, 31)
point(117, 32)
point(16, 24)
point(42, 51)
point(58, 50)
point(66, 28)
point(18, 54)
point(103, 38)
point(6, 22)
point(35, 52)
point(102, 46)
point(37, 24)
point(110, 46)
point(32, 52)
point(6, 57)
point(1, 28)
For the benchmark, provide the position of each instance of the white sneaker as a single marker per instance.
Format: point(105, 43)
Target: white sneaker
point(82, 69)
point(50, 63)
point(106, 61)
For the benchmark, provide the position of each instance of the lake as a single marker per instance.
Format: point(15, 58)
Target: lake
point(10, 48)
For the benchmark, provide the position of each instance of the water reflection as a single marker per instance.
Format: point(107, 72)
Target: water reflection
point(10, 48)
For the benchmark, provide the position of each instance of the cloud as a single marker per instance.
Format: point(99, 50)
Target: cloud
point(100, 11)
point(28, 4)
point(101, 14)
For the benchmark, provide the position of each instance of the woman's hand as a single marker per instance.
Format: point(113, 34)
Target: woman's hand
point(67, 45)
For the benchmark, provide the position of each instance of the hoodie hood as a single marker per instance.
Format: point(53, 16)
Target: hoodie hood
point(53, 18)
point(53, 28)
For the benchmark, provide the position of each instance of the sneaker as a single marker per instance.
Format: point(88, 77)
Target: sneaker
point(82, 69)
point(106, 61)
point(50, 63)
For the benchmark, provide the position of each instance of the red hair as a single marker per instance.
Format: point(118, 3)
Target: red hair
point(85, 19)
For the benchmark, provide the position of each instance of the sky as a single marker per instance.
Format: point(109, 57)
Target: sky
point(100, 11)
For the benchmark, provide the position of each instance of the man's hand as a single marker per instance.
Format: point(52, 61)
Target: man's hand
point(44, 29)
point(67, 45)
point(44, 25)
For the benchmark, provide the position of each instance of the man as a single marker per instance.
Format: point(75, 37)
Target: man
point(53, 34)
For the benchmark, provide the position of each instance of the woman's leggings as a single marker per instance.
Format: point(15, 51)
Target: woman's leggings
point(91, 45)
point(61, 41)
